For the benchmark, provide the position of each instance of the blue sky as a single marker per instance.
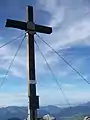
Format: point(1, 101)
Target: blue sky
point(70, 21)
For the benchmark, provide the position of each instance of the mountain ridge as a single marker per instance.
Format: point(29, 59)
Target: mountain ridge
point(22, 112)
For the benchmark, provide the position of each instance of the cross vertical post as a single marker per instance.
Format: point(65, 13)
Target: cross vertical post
point(31, 67)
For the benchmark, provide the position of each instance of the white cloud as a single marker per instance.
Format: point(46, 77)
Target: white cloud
point(10, 99)
point(17, 72)
point(57, 13)
point(70, 33)
point(40, 68)
point(57, 18)
point(18, 67)
point(53, 96)
point(48, 5)
point(73, 34)
point(48, 96)
point(74, 28)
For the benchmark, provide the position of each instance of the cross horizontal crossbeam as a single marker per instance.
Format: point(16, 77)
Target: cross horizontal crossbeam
point(23, 26)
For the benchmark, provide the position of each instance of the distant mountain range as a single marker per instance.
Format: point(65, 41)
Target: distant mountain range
point(13, 112)
point(60, 113)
